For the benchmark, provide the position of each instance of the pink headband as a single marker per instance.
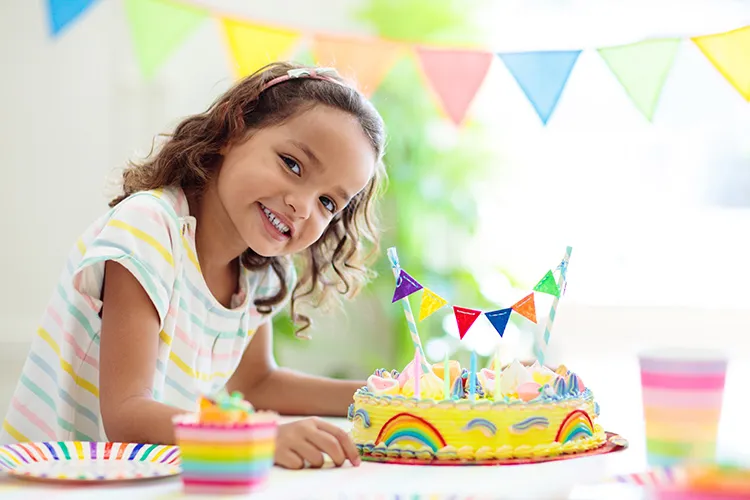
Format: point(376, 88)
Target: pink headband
point(312, 73)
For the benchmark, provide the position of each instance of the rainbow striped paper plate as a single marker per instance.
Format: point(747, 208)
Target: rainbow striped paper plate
point(88, 462)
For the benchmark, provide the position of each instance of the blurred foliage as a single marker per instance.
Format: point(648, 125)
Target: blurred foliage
point(428, 212)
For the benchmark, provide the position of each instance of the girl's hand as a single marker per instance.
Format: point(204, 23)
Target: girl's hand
point(306, 441)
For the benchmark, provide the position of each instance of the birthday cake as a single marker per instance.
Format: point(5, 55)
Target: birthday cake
point(518, 412)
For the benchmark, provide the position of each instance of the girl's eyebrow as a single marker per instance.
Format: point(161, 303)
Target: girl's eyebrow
point(339, 191)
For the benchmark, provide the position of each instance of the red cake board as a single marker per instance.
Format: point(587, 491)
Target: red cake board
point(614, 444)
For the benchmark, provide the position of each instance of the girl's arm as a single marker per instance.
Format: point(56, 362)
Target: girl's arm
point(269, 387)
point(128, 353)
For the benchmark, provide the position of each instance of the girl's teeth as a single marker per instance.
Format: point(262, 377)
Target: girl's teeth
point(275, 221)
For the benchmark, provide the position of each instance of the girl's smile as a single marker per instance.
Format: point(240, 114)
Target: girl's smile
point(278, 226)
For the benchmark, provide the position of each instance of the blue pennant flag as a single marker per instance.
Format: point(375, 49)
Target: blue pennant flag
point(541, 76)
point(499, 319)
point(63, 12)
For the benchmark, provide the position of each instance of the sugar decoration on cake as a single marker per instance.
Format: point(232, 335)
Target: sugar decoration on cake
point(529, 424)
point(483, 425)
point(405, 428)
point(575, 426)
point(364, 416)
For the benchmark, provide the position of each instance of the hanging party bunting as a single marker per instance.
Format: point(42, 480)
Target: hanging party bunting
point(405, 286)
point(465, 318)
point(158, 28)
point(253, 46)
point(455, 76)
point(730, 54)
point(642, 69)
point(525, 307)
point(364, 61)
point(548, 285)
point(431, 302)
point(499, 319)
point(63, 12)
point(542, 76)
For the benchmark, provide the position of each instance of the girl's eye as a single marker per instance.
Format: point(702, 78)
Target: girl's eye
point(328, 204)
point(292, 165)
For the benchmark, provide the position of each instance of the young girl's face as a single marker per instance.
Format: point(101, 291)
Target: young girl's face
point(282, 186)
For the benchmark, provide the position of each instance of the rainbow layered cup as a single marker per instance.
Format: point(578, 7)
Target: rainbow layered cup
point(232, 454)
point(682, 397)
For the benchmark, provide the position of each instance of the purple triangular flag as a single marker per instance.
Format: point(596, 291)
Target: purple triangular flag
point(499, 319)
point(405, 286)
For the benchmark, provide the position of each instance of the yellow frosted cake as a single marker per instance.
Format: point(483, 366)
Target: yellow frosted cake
point(529, 412)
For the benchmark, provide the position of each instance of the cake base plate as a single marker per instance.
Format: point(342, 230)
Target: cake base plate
point(614, 444)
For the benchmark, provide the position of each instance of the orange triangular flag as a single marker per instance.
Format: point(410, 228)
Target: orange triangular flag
point(363, 61)
point(525, 307)
point(253, 46)
point(455, 76)
point(730, 53)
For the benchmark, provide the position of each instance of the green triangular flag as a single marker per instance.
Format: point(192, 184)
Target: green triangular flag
point(642, 69)
point(548, 285)
point(158, 27)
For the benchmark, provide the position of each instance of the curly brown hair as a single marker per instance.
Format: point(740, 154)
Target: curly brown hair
point(190, 157)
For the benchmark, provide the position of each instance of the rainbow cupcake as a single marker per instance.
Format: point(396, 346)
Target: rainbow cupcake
point(227, 448)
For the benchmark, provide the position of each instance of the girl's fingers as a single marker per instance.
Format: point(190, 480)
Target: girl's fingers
point(309, 453)
point(350, 450)
point(289, 459)
point(328, 445)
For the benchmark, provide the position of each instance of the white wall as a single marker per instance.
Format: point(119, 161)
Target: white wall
point(75, 108)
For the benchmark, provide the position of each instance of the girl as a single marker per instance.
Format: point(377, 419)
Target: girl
point(170, 294)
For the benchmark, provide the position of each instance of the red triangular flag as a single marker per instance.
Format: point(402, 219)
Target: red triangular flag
point(465, 318)
point(525, 307)
point(455, 76)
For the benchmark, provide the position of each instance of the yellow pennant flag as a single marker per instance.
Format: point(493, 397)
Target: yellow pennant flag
point(365, 61)
point(431, 302)
point(254, 46)
point(730, 53)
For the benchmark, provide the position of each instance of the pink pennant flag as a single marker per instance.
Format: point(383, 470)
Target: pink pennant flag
point(405, 286)
point(455, 76)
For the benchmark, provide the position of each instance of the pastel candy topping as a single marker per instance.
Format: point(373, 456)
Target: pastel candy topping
point(487, 379)
point(381, 386)
point(529, 391)
point(430, 387)
point(513, 376)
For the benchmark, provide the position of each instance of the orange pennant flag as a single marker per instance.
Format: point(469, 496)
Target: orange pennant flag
point(455, 76)
point(730, 53)
point(525, 307)
point(253, 46)
point(362, 61)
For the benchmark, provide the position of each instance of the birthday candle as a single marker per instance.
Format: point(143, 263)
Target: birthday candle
point(497, 372)
point(446, 378)
point(417, 373)
point(472, 375)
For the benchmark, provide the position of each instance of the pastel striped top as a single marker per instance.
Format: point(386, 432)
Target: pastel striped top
point(200, 343)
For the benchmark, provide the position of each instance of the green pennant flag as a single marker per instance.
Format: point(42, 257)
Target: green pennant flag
point(548, 285)
point(158, 28)
point(642, 69)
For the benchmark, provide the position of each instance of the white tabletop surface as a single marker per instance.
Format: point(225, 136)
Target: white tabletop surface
point(576, 479)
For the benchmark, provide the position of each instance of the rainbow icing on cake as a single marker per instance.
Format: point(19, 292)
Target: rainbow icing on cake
point(529, 412)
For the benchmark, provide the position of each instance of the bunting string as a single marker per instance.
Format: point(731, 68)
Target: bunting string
point(431, 302)
point(454, 75)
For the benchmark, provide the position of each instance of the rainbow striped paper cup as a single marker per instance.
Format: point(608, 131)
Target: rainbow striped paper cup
point(683, 391)
point(231, 458)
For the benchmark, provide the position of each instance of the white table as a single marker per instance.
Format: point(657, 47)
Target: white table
point(619, 400)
